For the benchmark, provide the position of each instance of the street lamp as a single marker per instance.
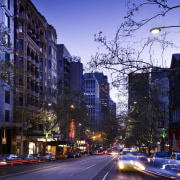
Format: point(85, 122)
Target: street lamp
point(158, 29)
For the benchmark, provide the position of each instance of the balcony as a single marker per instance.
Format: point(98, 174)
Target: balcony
point(43, 40)
point(29, 58)
point(24, 17)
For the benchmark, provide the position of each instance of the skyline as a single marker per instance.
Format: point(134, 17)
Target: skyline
point(76, 22)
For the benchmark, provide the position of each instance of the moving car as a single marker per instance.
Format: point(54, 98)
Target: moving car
point(61, 155)
point(28, 157)
point(9, 159)
point(129, 163)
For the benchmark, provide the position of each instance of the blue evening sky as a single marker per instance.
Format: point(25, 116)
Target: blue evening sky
point(76, 22)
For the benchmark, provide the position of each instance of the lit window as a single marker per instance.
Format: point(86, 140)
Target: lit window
point(7, 39)
point(20, 26)
point(41, 47)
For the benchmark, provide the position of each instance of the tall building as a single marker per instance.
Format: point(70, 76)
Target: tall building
point(103, 91)
point(77, 76)
point(174, 103)
point(35, 78)
point(91, 93)
point(51, 65)
point(7, 123)
point(63, 68)
point(160, 102)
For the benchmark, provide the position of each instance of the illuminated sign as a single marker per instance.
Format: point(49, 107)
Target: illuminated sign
point(72, 132)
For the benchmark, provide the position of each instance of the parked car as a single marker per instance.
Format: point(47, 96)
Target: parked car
point(78, 154)
point(48, 157)
point(127, 162)
point(39, 156)
point(61, 155)
point(71, 154)
point(28, 157)
point(9, 159)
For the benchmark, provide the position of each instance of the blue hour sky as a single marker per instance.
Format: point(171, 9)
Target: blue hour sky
point(76, 22)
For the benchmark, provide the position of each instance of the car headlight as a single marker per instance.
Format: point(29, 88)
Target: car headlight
point(121, 166)
point(139, 165)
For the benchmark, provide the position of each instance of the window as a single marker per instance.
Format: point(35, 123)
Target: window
point(49, 50)
point(7, 97)
point(7, 21)
point(7, 115)
point(7, 57)
point(21, 80)
point(41, 62)
point(7, 39)
point(20, 44)
point(20, 62)
point(41, 76)
point(41, 90)
point(41, 47)
point(49, 63)
point(20, 26)
point(20, 99)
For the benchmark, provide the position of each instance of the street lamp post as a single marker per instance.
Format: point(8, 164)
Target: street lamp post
point(156, 30)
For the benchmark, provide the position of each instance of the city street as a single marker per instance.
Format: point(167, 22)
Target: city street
point(95, 167)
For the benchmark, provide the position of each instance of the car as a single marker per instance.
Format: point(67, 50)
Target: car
point(48, 157)
point(39, 156)
point(78, 154)
point(61, 155)
point(142, 156)
point(129, 163)
point(28, 157)
point(9, 159)
point(71, 154)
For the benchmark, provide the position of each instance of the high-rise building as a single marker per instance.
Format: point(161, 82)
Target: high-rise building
point(77, 76)
point(63, 68)
point(7, 123)
point(91, 93)
point(174, 103)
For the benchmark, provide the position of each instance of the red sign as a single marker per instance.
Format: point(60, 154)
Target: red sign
point(72, 132)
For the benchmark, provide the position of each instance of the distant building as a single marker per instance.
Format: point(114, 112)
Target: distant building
point(64, 60)
point(77, 76)
point(91, 93)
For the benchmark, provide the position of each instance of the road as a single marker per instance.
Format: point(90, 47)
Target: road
point(96, 167)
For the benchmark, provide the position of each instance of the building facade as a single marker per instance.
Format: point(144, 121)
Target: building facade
point(91, 93)
point(174, 104)
point(7, 123)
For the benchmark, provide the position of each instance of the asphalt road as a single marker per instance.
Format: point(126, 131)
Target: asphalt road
point(96, 167)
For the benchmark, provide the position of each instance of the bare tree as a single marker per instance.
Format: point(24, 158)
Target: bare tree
point(121, 55)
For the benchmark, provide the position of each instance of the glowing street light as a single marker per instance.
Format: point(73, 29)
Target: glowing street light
point(158, 29)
